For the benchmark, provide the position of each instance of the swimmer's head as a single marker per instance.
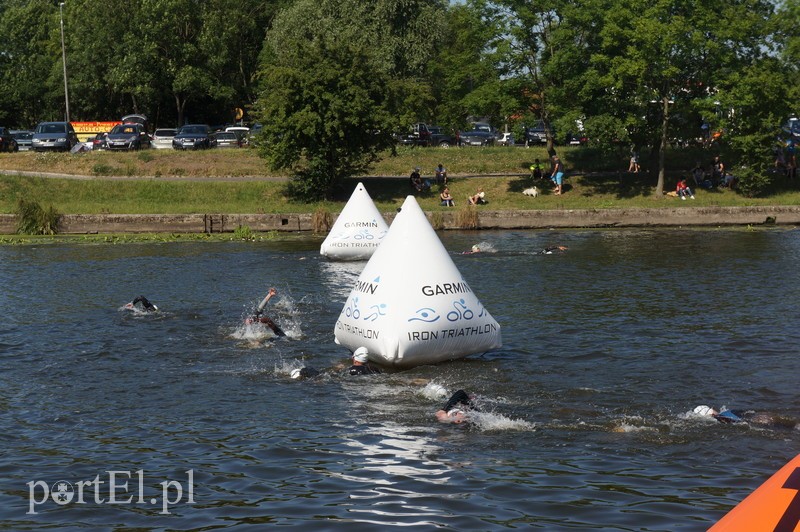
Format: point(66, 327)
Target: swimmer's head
point(456, 415)
point(361, 355)
point(704, 410)
point(475, 248)
point(296, 373)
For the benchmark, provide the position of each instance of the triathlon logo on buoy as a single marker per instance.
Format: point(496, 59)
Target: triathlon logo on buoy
point(62, 492)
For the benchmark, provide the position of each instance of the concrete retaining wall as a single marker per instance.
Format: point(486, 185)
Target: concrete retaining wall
point(223, 223)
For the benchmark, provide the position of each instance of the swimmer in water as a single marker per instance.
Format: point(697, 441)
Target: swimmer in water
point(457, 408)
point(361, 365)
point(475, 249)
point(304, 373)
point(141, 304)
point(258, 318)
point(746, 416)
point(549, 250)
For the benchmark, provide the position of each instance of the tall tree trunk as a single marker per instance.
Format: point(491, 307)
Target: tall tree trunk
point(662, 152)
point(180, 104)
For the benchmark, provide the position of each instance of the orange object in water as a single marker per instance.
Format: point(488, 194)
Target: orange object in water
point(773, 506)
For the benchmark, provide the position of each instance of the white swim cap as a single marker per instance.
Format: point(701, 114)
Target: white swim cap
point(704, 410)
point(476, 248)
point(295, 374)
point(361, 355)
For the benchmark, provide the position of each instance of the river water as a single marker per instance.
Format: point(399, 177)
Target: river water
point(585, 418)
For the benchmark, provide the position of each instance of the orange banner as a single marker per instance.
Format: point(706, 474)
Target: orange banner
point(93, 127)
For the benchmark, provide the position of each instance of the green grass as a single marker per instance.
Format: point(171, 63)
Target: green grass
point(595, 182)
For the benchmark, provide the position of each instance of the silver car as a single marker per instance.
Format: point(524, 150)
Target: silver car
point(56, 136)
point(227, 139)
point(23, 139)
point(162, 138)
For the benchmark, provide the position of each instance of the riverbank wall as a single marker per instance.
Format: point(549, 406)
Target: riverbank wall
point(486, 219)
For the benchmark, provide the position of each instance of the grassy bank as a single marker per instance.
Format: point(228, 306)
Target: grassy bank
point(241, 163)
point(595, 182)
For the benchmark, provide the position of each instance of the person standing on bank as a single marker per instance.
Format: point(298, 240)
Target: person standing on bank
point(558, 174)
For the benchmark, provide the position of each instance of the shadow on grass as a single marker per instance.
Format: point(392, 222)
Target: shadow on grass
point(385, 189)
point(621, 185)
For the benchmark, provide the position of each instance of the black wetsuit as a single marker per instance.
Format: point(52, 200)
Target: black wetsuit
point(269, 323)
point(364, 369)
point(149, 307)
point(308, 372)
point(459, 399)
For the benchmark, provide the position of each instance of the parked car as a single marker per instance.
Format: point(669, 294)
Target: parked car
point(162, 138)
point(440, 138)
point(227, 139)
point(98, 142)
point(130, 136)
point(577, 140)
point(23, 138)
point(536, 134)
point(417, 135)
point(481, 134)
point(136, 119)
point(506, 140)
point(242, 132)
point(193, 137)
point(56, 136)
point(7, 141)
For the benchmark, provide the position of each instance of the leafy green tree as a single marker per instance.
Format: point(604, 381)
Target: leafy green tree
point(31, 82)
point(546, 47)
point(662, 58)
point(464, 76)
point(757, 94)
point(331, 91)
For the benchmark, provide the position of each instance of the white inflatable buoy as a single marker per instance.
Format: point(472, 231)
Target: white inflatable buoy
point(411, 305)
point(358, 230)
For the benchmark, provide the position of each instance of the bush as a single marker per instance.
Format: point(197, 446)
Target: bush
point(467, 217)
point(243, 232)
point(752, 183)
point(35, 220)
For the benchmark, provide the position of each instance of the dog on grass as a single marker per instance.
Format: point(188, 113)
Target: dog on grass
point(533, 192)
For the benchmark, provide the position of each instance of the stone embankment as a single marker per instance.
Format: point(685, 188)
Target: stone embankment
point(527, 219)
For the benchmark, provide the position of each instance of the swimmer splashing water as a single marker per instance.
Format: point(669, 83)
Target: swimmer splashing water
point(141, 304)
point(258, 318)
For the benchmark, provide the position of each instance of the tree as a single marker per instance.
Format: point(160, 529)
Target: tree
point(330, 90)
point(666, 56)
point(30, 58)
point(464, 76)
point(545, 46)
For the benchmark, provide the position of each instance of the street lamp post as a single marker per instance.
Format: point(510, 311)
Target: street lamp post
point(64, 58)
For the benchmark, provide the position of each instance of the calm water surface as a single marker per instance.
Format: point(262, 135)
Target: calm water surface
point(586, 418)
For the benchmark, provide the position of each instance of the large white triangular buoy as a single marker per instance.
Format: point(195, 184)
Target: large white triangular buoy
point(411, 305)
point(358, 229)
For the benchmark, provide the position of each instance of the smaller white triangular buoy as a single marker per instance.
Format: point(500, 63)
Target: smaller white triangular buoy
point(411, 305)
point(358, 230)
